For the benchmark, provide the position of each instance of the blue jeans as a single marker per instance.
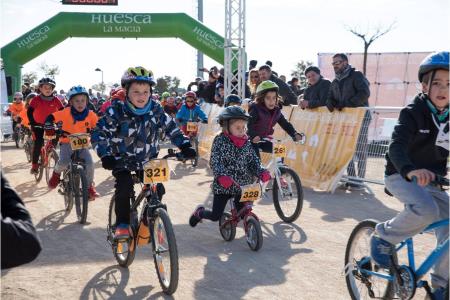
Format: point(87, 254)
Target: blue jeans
point(65, 154)
point(423, 206)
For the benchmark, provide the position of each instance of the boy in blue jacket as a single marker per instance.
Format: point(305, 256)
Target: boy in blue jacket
point(190, 111)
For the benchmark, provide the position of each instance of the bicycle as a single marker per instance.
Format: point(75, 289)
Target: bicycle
point(27, 143)
point(192, 132)
point(252, 227)
point(149, 223)
point(19, 135)
point(74, 185)
point(287, 189)
point(47, 158)
point(366, 280)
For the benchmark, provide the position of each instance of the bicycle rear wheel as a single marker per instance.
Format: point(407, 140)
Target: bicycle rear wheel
point(288, 200)
point(253, 234)
point(27, 148)
point(165, 252)
point(80, 193)
point(124, 251)
point(357, 258)
point(52, 159)
point(194, 143)
point(40, 173)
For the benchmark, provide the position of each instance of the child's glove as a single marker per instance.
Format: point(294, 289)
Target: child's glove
point(108, 162)
point(225, 181)
point(265, 176)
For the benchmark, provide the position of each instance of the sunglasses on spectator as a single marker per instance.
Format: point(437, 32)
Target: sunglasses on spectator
point(189, 101)
point(337, 63)
point(254, 76)
point(18, 98)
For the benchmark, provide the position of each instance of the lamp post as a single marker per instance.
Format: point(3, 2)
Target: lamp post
point(103, 84)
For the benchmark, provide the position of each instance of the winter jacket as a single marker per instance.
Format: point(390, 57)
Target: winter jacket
point(263, 120)
point(289, 98)
point(170, 109)
point(241, 164)
point(133, 139)
point(414, 141)
point(351, 91)
point(19, 240)
point(186, 114)
point(317, 94)
point(40, 108)
point(16, 108)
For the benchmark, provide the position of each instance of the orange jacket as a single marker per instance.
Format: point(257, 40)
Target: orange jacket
point(71, 126)
point(16, 108)
point(23, 115)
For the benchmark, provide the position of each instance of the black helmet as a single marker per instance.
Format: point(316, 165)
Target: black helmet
point(232, 98)
point(47, 80)
point(233, 112)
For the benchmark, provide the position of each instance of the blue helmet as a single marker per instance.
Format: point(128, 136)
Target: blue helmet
point(232, 98)
point(77, 90)
point(434, 61)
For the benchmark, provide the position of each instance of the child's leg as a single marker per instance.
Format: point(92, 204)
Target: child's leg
point(38, 143)
point(256, 148)
point(124, 188)
point(439, 276)
point(219, 203)
point(420, 210)
point(238, 204)
point(64, 158)
point(86, 155)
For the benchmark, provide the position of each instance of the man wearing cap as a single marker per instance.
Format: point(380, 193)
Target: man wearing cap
point(315, 95)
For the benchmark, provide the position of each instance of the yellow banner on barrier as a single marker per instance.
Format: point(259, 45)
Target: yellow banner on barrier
point(330, 144)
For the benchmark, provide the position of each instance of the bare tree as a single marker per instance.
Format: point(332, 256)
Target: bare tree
point(379, 32)
point(50, 71)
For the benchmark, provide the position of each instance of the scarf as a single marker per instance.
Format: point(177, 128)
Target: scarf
point(441, 115)
point(344, 73)
point(79, 116)
point(237, 141)
point(138, 111)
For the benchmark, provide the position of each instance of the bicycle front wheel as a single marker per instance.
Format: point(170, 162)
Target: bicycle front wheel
point(288, 199)
point(52, 159)
point(40, 173)
point(254, 234)
point(194, 143)
point(165, 251)
point(357, 259)
point(27, 148)
point(80, 193)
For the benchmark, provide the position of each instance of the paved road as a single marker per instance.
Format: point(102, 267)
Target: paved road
point(303, 260)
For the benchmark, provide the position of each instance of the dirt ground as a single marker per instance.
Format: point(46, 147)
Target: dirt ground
point(303, 260)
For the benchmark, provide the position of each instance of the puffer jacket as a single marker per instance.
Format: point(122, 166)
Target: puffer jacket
point(317, 94)
point(186, 114)
point(241, 164)
point(133, 139)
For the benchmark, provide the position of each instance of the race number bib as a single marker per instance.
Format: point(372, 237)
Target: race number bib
point(279, 150)
point(80, 141)
point(156, 171)
point(192, 126)
point(250, 192)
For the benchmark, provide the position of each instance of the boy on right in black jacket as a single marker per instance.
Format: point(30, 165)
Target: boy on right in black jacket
point(418, 152)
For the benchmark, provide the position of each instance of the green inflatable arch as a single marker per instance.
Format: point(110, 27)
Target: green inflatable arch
point(98, 25)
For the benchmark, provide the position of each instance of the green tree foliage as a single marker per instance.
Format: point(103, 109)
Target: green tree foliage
point(299, 71)
point(167, 83)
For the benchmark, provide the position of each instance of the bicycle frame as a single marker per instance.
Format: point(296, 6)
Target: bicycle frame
point(426, 265)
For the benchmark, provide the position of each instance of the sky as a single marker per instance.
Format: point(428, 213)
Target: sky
point(283, 31)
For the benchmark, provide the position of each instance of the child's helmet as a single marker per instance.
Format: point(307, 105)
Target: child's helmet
point(434, 61)
point(233, 112)
point(77, 90)
point(47, 80)
point(137, 74)
point(190, 94)
point(266, 86)
point(232, 98)
point(165, 95)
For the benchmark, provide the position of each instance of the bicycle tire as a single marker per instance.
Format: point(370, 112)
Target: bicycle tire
point(80, 193)
point(68, 195)
point(286, 217)
point(16, 136)
point(40, 173)
point(194, 143)
point(169, 286)
point(364, 229)
point(124, 260)
point(227, 232)
point(253, 234)
point(52, 160)
point(21, 140)
point(27, 148)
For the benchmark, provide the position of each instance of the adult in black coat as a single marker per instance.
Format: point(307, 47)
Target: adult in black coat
point(20, 243)
point(316, 94)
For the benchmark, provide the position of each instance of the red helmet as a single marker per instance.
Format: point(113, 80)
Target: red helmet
point(190, 94)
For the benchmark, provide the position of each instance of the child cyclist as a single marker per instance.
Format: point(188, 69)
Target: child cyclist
point(40, 107)
point(232, 100)
point(190, 111)
point(76, 118)
point(126, 138)
point(16, 108)
point(265, 112)
point(418, 152)
point(234, 163)
point(23, 118)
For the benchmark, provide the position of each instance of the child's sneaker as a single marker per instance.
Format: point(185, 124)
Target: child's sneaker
point(381, 251)
point(54, 180)
point(92, 193)
point(122, 232)
point(195, 217)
